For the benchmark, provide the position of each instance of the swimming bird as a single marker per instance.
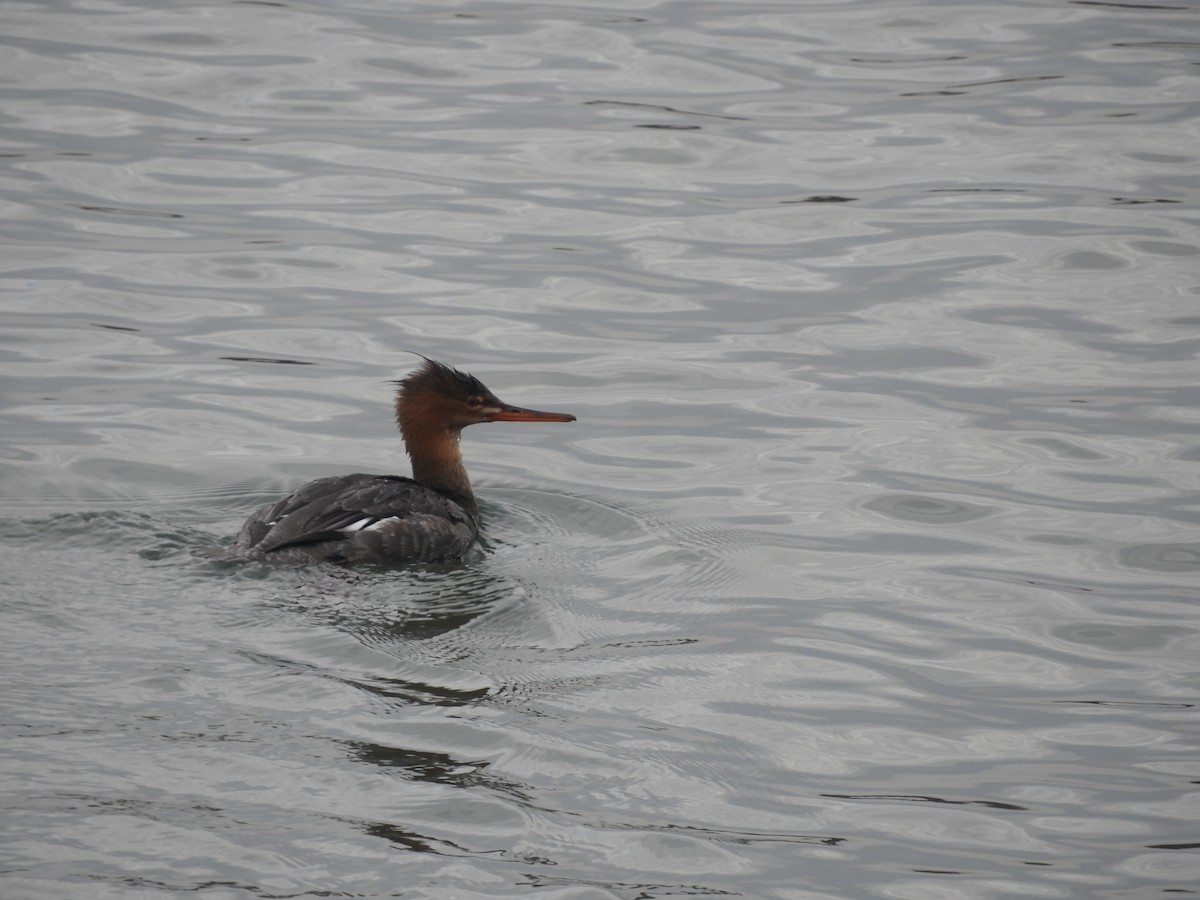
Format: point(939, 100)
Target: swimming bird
point(390, 519)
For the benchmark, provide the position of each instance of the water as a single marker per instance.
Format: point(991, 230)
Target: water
point(868, 571)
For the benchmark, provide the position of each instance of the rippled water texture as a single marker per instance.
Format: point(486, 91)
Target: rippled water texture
point(868, 571)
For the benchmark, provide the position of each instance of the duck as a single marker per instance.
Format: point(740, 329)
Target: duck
point(430, 517)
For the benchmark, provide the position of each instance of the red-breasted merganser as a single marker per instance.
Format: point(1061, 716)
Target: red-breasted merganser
point(431, 517)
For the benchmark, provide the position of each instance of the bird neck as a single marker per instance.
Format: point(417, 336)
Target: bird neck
point(437, 462)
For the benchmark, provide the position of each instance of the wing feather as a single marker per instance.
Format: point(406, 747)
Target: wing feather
point(359, 517)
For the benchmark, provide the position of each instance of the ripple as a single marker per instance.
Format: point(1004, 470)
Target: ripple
point(927, 509)
point(1163, 557)
point(1121, 637)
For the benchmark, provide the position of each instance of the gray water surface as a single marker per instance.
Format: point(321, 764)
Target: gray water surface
point(868, 571)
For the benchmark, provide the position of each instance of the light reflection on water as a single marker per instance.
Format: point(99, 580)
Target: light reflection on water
point(868, 569)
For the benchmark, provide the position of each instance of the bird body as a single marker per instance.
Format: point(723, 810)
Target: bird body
point(391, 519)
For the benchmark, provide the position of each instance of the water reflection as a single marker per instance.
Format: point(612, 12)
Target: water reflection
point(440, 768)
point(407, 839)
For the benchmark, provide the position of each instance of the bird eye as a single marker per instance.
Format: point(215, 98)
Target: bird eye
point(474, 402)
